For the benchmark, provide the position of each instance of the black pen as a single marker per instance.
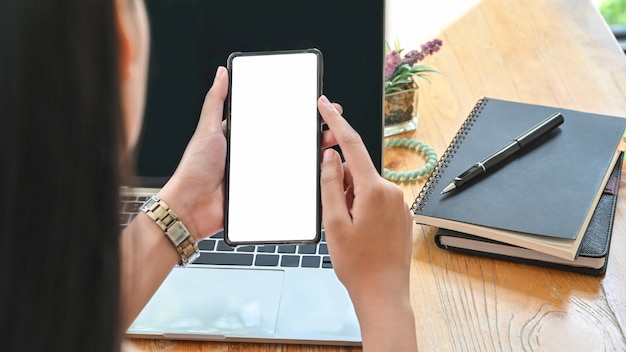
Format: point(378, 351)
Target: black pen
point(518, 143)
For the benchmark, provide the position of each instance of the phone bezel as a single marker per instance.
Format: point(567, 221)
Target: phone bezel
point(227, 184)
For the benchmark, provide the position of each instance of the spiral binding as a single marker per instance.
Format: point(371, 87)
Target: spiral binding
point(455, 144)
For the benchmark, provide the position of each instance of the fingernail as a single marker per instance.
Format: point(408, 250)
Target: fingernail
point(325, 100)
point(328, 155)
point(219, 73)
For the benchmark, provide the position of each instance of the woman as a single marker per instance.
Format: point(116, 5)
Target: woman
point(73, 82)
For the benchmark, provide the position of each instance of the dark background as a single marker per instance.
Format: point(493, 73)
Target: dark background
point(190, 38)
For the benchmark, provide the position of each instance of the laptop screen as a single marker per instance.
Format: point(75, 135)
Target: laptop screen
point(190, 38)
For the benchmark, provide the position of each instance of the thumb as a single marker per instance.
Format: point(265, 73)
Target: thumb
point(212, 108)
point(334, 207)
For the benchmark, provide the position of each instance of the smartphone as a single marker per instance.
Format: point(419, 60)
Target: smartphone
point(274, 129)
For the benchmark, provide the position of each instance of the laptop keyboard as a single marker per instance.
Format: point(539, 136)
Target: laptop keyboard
point(214, 251)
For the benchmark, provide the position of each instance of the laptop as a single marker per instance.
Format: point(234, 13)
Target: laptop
point(281, 293)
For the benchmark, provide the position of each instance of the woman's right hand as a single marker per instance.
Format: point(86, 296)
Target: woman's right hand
point(369, 233)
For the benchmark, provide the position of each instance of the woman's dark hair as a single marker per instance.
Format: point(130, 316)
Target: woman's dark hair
point(61, 135)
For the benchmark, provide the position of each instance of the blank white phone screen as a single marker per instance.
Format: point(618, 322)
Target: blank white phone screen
point(273, 175)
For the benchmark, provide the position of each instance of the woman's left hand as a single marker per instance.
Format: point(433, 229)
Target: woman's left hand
point(196, 190)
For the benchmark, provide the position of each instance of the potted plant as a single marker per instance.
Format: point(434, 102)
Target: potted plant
point(402, 77)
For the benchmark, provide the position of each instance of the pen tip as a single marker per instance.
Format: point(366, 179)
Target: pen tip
point(448, 188)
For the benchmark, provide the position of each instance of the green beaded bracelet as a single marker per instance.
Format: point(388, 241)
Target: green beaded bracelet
point(420, 148)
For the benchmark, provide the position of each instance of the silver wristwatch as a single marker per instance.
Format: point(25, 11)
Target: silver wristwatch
point(174, 229)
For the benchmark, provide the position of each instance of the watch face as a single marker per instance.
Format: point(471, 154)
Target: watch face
point(177, 232)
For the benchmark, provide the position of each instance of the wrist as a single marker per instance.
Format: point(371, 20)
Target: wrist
point(199, 207)
point(386, 319)
point(369, 299)
point(389, 292)
point(183, 207)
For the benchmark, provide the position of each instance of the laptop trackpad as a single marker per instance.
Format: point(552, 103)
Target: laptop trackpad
point(216, 302)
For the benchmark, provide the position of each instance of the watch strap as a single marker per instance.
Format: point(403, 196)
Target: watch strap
point(174, 229)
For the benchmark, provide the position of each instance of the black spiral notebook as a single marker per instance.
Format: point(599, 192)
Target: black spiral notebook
point(594, 248)
point(541, 199)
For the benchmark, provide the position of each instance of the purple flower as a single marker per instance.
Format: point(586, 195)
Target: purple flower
point(401, 70)
point(431, 47)
point(393, 59)
point(412, 57)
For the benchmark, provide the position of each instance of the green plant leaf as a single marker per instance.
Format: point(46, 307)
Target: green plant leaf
point(397, 45)
point(423, 68)
point(402, 81)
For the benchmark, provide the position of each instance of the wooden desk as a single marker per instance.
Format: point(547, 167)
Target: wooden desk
point(550, 52)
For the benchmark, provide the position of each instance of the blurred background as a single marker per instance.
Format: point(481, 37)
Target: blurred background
point(614, 12)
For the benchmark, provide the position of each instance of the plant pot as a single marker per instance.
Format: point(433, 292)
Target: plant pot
point(401, 111)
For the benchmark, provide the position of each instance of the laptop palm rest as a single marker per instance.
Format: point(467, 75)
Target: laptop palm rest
point(212, 304)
